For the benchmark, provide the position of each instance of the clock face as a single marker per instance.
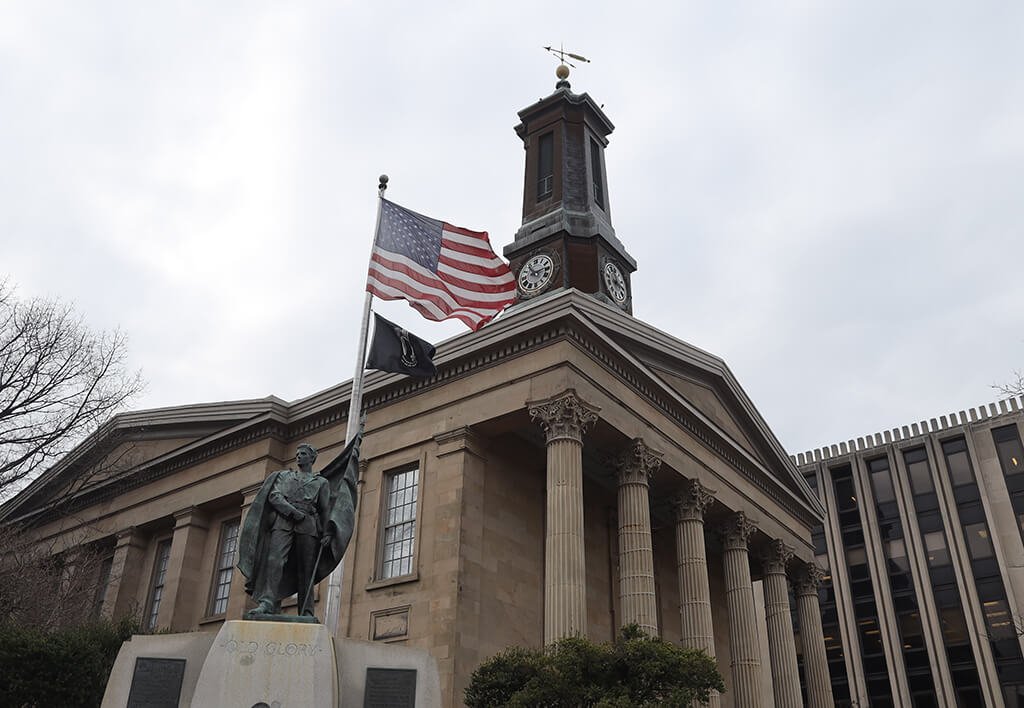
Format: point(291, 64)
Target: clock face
point(614, 282)
point(536, 273)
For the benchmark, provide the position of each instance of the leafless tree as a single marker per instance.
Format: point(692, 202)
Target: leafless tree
point(45, 589)
point(1014, 387)
point(59, 381)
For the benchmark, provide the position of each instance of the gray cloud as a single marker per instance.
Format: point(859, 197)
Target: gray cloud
point(826, 197)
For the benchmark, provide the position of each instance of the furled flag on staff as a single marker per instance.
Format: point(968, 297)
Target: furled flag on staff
point(399, 351)
point(442, 270)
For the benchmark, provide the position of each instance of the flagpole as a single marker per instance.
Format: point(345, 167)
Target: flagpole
point(332, 605)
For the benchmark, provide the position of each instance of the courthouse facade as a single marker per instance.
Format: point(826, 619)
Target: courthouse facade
point(568, 470)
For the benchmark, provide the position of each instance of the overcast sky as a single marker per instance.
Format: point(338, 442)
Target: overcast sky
point(829, 197)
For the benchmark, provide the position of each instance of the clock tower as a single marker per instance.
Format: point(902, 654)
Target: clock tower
point(566, 239)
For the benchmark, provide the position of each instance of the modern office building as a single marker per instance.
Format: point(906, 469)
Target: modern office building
point(924, 599)
point(568, 470)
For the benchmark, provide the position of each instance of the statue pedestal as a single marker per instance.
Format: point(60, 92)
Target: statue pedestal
point(270, 663)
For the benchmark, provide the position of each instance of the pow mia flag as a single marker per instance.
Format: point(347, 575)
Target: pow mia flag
point(399, 351)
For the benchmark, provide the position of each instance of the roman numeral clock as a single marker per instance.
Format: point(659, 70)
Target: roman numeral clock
point(566, 239)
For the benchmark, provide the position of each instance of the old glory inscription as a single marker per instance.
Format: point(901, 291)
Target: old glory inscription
point(269, 648)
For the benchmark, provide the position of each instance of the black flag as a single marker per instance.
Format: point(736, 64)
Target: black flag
point(399, 351)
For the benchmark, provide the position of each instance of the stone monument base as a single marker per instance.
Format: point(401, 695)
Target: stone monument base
point(270, 663)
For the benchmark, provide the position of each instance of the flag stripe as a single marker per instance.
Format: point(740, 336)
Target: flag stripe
point(391, 265)
point(426, 306)
point(442, 270)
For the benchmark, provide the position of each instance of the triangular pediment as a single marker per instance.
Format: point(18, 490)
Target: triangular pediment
point(702, 394)
point(699, 382)
point(130, 442)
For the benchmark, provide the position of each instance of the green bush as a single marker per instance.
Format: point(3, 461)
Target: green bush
point(634, 671)
point(63, 667)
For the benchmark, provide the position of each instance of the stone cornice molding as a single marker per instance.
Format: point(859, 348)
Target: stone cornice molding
point(775, 556)
point(637, 463)
point(693, 501)
point(736, 531)
point(564, 417)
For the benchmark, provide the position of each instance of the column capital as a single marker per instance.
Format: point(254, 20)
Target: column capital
point(736, 531)
point(563, 417)
point(637, 463)
point(190, 516)
point(130, 536)
point(693, 501)
point(807, 580)
point(775, 557)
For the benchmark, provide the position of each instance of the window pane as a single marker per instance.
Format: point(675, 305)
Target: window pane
point(958, 462)
point(935, 547)
point(978, 543)
point(1008, 447)
point(399, 524)
point(225, 567)
point(163, 555)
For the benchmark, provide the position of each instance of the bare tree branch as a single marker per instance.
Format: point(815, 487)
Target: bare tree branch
point(1014, 387)
point(59, 381)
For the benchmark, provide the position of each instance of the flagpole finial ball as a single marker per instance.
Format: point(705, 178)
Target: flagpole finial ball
point(383, 179)
point(562, 72)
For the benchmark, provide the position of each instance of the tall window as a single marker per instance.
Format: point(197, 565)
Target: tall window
point(399, 523)
point(226, 552)
point(545, 166)
point(595, 173)
point(1008, 447)
point(102, 583)
point(156, 592)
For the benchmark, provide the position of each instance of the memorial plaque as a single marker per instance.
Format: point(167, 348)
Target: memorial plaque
point(156, 683)
point(390, 688)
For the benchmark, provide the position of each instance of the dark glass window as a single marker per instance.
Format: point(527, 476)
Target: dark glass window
point(958, 462)
point(595, 173)
point(1009, 450)
point(935, 547)
point(881, 480)
point(979, 545)
point(545, 166)
point(918, 470)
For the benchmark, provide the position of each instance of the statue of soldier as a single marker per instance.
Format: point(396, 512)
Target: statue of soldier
point(297, 530)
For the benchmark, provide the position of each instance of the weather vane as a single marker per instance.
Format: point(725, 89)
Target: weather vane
point(562, 72)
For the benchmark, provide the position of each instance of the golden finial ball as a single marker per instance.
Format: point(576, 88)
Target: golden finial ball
point(562, 72)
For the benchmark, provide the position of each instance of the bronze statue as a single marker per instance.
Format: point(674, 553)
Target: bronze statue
point(297, 530)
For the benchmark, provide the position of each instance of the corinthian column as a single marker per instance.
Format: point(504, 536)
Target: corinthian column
point(692, 568)
point(781, 648)
point(564, 419)
point(739, 597)
point(636, 555)
point(819, 684)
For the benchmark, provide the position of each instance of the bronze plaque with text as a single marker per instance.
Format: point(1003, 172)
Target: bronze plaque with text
point(390, 688)
point(156, 683)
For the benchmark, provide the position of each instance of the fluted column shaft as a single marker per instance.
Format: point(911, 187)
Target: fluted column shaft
point(781, 647)
point(692, 569)
point(739, 597)
point(636, 555)
point(819, 683)
point(564, 418)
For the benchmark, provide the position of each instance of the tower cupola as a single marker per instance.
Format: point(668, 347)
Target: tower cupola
point(566, 239)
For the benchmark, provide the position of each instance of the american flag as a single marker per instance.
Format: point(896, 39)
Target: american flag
point(442, 270)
